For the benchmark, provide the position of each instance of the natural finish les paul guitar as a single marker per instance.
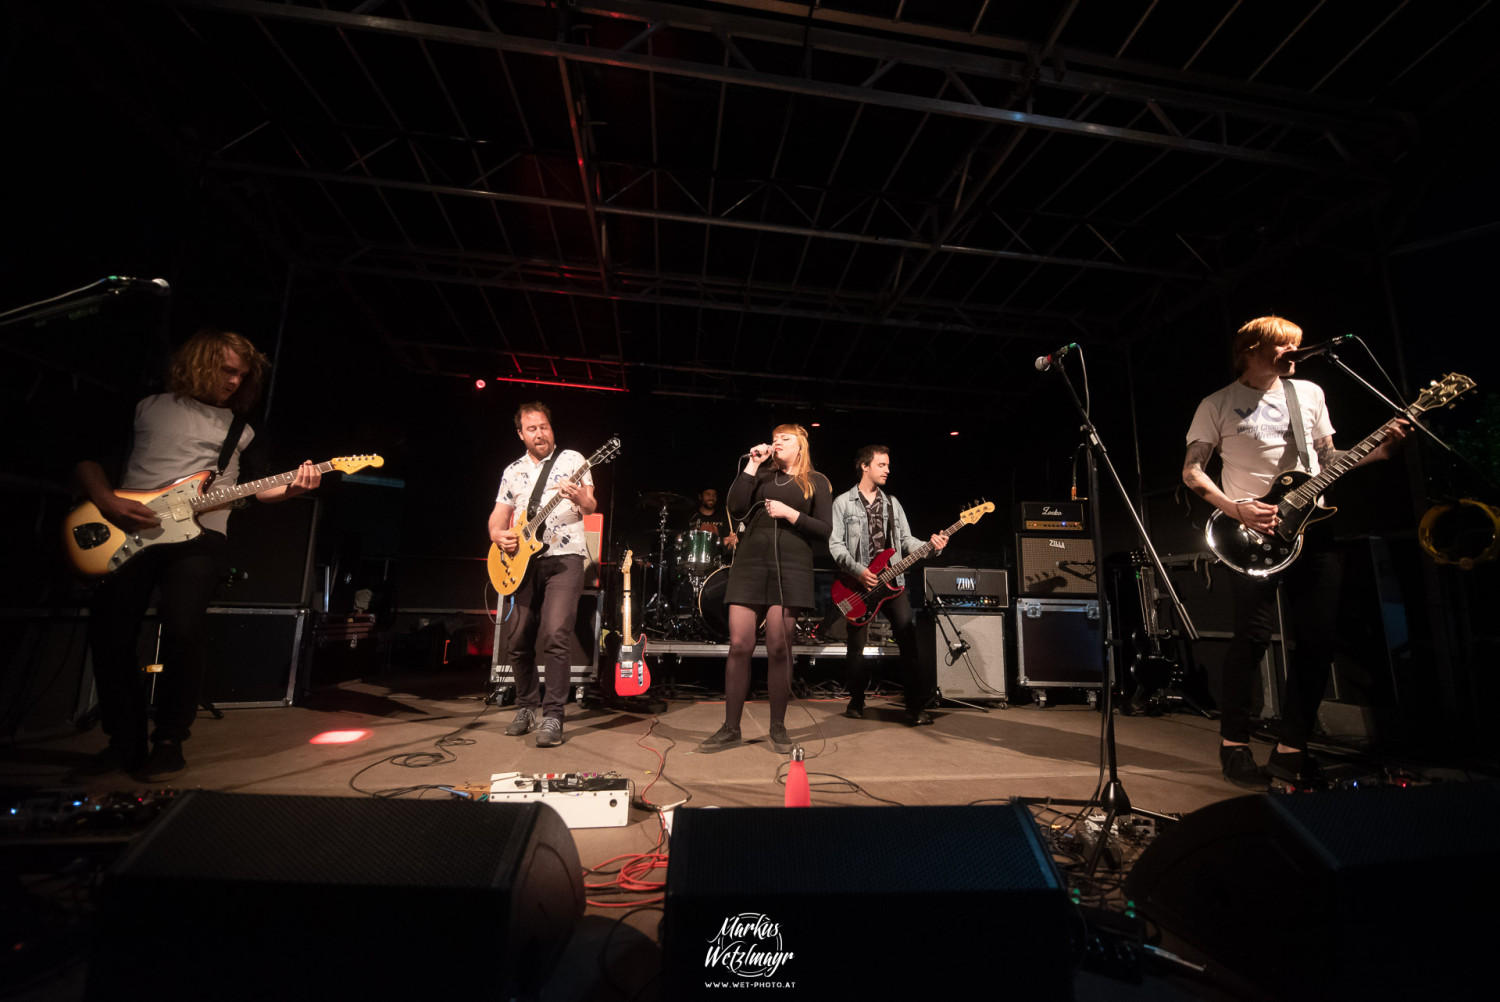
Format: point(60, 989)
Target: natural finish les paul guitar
point(95, 547)
point(508, 569)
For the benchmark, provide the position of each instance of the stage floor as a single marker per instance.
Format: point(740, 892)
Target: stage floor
point(1168, 764)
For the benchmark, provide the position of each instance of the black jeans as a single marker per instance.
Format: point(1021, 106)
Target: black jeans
point(1310, 592)
point(546, 606)
point(918, 683)
point(187, 574)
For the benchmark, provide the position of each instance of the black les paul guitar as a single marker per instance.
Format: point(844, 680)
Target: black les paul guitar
point(1152, 670)
point(1295, 495)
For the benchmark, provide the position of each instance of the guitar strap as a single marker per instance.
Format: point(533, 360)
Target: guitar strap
point(1294, 428)
point(541, 486)
point(236, 428)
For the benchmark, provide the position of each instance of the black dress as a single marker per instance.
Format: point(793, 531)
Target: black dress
point(774, 562)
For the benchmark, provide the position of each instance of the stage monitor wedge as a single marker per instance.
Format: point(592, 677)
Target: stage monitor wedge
point(253, 896)
point(1352, 894)
point(766, 897)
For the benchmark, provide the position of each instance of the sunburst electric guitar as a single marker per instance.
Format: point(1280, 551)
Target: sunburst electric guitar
point(507, 570)
point(860, 604)
point(1295, 495)
point(95, 547)
point(632, 677)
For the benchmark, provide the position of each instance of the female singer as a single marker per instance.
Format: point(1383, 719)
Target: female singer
point(784, 504)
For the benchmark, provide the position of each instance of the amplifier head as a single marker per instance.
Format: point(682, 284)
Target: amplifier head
point(1051, 516)
point(970, 588)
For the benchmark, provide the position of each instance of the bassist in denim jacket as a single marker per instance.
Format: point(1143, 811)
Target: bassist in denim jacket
point(866, 521)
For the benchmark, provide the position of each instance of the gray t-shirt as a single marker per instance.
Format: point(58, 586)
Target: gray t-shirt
point(1249, 427)
point(176, 437)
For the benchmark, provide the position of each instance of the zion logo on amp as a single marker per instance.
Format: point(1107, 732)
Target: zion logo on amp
point(748, 945)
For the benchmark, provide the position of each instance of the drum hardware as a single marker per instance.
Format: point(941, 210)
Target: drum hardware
point(657, 617)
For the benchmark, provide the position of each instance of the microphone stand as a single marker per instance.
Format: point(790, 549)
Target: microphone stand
point(1112, 796)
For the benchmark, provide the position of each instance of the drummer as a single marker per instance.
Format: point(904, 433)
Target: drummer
point(713, 518)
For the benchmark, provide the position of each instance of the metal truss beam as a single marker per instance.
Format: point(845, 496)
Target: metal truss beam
point(725, 74)
point(704, 219)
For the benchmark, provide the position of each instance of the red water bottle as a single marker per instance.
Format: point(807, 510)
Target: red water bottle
point(798, 794)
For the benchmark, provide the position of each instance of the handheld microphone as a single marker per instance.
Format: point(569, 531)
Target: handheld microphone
point(1045, 362)
point(1313, 351)
point(155, 286)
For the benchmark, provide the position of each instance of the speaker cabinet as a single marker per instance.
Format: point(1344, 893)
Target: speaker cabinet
point(1055, 565)
point(246, 896)
point(770, 897)
point(1058, 643)
point(1368, 893)
point(979, 672)
point(271, 554)
point(254, 655)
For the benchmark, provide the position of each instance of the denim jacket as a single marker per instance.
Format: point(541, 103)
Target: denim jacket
point(849, 542)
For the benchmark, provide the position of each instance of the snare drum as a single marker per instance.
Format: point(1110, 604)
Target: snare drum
point(697, 552)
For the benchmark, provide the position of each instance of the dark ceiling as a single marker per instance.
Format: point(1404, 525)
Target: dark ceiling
point(864, 203)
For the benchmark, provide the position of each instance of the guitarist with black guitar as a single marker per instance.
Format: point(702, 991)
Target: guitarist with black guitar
point(198, 424)
point(868, 522)
point(545, 602)
point(1264, 424)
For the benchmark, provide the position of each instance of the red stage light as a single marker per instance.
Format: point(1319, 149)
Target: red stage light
point(478, 384)
point(338, 737)
point(953, 433)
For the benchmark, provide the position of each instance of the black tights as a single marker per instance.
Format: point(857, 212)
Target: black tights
point(781, 623)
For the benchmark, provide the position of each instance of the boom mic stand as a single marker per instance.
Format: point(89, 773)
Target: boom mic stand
point(1111, 795)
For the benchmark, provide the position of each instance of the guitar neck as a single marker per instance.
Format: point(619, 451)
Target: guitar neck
point(550, 506)
point(892, 571)
point(1311, 488)
point(223, 495)
point(625, 613)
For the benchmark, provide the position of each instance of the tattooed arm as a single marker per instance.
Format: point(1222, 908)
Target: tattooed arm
point(1396, 431)
point(1251, 513)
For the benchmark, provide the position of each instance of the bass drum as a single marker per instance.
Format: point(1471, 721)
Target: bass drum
point(713, 614)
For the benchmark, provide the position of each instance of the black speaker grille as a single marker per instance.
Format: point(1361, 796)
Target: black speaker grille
point(919, 850)
point(334, 840)
point(1389, 825)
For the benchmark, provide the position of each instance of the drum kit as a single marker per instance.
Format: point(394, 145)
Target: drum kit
point(690, 577)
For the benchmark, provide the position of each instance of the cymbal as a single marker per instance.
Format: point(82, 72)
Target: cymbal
point(664, 499)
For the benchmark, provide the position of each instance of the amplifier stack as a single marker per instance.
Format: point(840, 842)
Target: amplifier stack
point(1058, 643)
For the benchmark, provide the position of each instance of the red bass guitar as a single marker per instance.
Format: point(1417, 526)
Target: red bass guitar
point(632, 677)
point(860, 604)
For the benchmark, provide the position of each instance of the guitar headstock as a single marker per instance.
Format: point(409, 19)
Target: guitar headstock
point(352, 464)
point(625, 563)
point(609, 450)
point(1441, 393)
point(977, 512)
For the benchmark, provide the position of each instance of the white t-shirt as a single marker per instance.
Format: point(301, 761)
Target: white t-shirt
point(563, 531)
point(1249, 428)
point(176, 437)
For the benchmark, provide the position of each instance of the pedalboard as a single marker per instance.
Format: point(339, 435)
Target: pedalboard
point(583, 799)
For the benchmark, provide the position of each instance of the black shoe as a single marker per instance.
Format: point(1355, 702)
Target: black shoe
point(1238, 763)
point(724, 737)
point(1295, 767)
point(918, 719)
point(779, 739)
point(549, 734)
point(165, 760)
point(116, 757)
point(854, 712)
point(524, 721)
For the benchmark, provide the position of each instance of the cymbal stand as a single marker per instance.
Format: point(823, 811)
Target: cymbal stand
point(658, 617)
